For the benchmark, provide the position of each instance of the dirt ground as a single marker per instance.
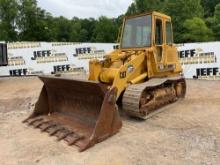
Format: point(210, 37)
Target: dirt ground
point(188, 132)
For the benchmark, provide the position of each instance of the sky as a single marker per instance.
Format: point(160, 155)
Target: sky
point(85, 8)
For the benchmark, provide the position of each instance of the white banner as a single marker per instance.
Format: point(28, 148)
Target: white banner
point(28, 58)
point(199, 60)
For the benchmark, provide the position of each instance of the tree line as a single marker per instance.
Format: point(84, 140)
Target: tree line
point(24, 20)
point(193, 20)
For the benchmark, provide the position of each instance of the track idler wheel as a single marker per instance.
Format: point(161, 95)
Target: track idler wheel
point(180, 88)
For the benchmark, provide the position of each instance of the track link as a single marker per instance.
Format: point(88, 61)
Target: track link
point(132, 101)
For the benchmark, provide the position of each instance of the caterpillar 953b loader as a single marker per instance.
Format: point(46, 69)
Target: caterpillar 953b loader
point(142, 76)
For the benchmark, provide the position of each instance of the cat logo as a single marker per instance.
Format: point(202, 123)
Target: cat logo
point(130, 68)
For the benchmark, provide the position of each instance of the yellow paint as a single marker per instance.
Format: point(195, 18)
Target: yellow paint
point(123, 67)
point(139, 78)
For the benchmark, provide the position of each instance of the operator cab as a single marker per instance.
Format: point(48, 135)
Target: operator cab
point(146, 30)
point(150, 30)
point(3, 55)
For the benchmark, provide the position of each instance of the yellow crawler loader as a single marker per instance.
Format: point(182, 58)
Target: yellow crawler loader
point(142, 76)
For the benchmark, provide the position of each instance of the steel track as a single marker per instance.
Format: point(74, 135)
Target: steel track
point(133, 94)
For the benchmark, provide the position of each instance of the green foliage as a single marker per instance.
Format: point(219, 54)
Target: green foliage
point(63, 29)
point(216, 22)
point(8, 15)
point(196, 30)
point(132, 9)
point(209, 7)
point(105, 30)
point(141, 6)
point(193, 20)
point(181, 11)
point(217, 12)
point(27, 22)
point(82, 29)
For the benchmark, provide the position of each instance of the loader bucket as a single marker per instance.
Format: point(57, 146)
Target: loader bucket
point(82, 113)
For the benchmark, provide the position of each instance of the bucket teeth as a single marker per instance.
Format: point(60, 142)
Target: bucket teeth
point(32, 121)
point(82, 113)
point(36, 123)
point(41, 123)
point(55, 130)
point(74, 138)
point(64, 135)
point(47, 126)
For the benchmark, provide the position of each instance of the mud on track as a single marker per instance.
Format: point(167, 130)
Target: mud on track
point(187, 132)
